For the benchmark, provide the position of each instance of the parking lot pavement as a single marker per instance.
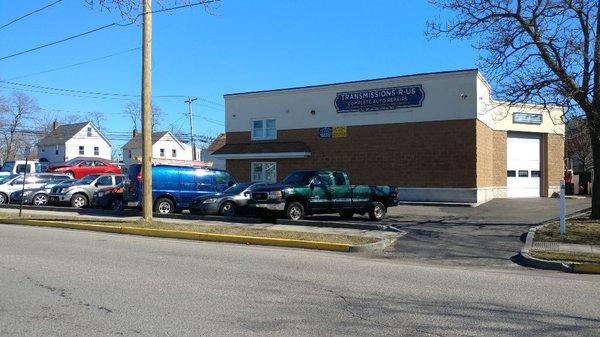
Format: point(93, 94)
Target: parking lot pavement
point(489, 235)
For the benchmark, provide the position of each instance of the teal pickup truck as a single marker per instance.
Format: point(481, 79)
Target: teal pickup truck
point(313, 192)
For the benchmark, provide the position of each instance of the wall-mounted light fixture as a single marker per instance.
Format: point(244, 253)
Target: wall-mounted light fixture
point(313, 112)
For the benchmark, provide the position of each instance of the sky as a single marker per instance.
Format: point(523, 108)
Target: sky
point(235, 46)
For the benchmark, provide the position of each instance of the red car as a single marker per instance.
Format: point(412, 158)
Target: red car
point(80, 167)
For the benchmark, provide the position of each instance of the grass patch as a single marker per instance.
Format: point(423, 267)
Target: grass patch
point(570, 257)
point(579, 230)
point(241, 230)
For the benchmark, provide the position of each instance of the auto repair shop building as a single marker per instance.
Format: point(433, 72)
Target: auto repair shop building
point(440, 136)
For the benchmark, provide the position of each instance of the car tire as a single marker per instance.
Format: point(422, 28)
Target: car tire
point(115, 204)
point(228, 208)
point(377, 211)
point(294, 211)
point(3, 198)
point(164, 206)
point(346, 215)
point(70, 174)
point(79, 200)
point(39, 199)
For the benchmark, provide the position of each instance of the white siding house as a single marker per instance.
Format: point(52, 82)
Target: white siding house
point(69, 141)
point(164, 146)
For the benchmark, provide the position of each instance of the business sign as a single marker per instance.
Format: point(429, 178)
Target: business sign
point(333, 132)
point(527, 118)
point(339, 131)
point(380, 99)
point(325, 132)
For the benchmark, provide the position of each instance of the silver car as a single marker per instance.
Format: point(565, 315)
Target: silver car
point(80, 193)
point(14, 182)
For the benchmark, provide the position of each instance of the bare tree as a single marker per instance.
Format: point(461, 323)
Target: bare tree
point(134, 112)
point(541, 51)
point(17, 110)
point(577, 143)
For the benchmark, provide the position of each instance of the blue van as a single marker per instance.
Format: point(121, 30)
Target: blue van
point(174, 187)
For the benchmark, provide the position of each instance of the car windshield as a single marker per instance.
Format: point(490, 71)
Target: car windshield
point(8, 166)
point(73, 162)
point(298, 178)
point(87, 179)
point(237, 188)
point(6, 179)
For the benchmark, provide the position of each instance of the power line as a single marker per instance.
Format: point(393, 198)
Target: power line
point(75, 64)
point(104, 27)
point(28, 14)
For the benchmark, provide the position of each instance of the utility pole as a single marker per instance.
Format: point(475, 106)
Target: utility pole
point(192, 142)
point(147, 111)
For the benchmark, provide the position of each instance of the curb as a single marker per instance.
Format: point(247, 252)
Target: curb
point(567, 267)
point(198, 236)
point(338, 224)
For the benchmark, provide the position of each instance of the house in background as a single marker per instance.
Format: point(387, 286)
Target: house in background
point(207, 154)
point(164, 146)
point(69, 141)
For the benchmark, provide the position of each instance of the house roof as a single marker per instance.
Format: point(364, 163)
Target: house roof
point(136, 142)
point(217, 143)
point(267, 147)
point(63, 133)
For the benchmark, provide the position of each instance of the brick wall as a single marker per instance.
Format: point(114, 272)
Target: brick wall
point(491, 156)
point(553, 149)
point(425, 154)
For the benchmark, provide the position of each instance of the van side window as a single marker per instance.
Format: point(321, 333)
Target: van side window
point(223, 178)
point(204, 177)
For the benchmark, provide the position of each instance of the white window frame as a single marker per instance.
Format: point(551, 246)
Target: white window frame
point(81, 150)
point(161, 153)
point(89, 131)
point(263, 135)
point(96, 150)
point(174, 153)
point(263, 173)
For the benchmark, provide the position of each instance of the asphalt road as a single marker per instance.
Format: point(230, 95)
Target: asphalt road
point(58, 282)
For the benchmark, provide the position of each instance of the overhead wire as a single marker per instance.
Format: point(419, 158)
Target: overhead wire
point(30, 13)
point(74, 64)
point(205, 2)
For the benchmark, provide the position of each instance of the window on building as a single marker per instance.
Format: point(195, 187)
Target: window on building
point(162, 152)
point(264, 129)
point(511, 173)
point(535, 174)
point(56, 150)
point(96, 151)
point(81, 150)
point(264, 172)
point(523, 173)
point(174, 153)
point(89, 131)
point(129, 154)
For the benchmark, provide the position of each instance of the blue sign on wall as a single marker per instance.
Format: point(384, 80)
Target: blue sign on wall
point(326, 132)
point(380, 99)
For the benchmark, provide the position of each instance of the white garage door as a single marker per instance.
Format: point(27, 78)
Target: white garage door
point(523, 165)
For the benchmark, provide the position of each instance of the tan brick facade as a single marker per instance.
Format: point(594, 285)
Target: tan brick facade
point(425, 154)
point(491, 156)
point(553, 150)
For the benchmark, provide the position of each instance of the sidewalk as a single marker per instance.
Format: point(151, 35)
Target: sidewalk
point(564, 247)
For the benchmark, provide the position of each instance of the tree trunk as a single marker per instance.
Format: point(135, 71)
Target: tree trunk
point(595, 141)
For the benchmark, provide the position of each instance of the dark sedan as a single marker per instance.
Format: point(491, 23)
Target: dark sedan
point(109, 198)
point(230, 202)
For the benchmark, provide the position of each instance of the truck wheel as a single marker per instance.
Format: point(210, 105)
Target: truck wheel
point(164, 206)
point(227, 209)
point(294, 211)
point(346, 215)
point(377, 211)
point(79, 200)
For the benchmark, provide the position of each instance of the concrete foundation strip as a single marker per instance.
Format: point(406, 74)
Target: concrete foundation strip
point(163, 233)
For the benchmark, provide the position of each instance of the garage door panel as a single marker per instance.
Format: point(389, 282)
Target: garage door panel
point(523, 165)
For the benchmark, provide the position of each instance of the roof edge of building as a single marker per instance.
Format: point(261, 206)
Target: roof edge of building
point(476, 70)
